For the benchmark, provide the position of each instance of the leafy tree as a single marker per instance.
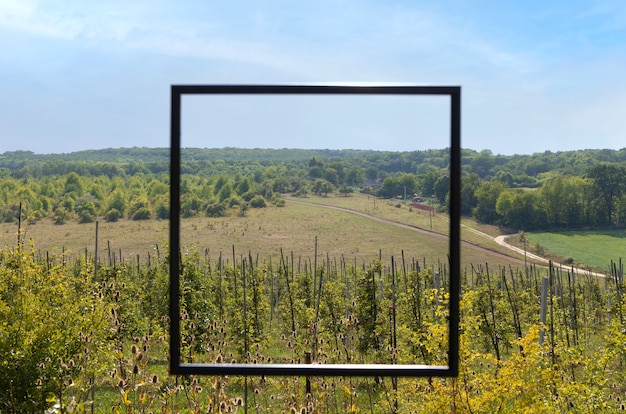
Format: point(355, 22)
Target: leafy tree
point(331, 175)
point(442, 189)
point(225, 192)
point(316, 168)
point(389, 188)
point(190, 205)
point(372, 173)
point(483, 163)
point(469, 185)
point(157, 188)
point(244, 186)
point(609, 183)
point(61, 215)
point(554, 195)
point(355, 176)
point(428, 179)
point(163, 210)
point(408, 183)
point(345, 190)
point(280, 185)
point(321, 186)
point(486, 197)
point(68, 203)
point(86, 210)
point(303, 190)
point(221, 181)
point(139, 209)
point(316, 162)
point(117, 201)
point(520, 209)
point(73, 184)
point(96, 191)
point(505, 177)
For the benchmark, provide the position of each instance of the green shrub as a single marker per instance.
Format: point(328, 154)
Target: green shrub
point(215, 210)
point(113, 215)
point(142, 214)
point(258, 202)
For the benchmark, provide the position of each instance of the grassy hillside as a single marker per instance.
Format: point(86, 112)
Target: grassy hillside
point(266, 231)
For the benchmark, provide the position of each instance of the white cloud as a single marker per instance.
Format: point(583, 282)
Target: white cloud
point(26, 16)
point(521, 73)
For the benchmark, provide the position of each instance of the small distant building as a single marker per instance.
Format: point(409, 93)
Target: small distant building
point(416, 202)
point(372, 183)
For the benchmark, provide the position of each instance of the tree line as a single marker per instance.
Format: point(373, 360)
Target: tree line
point(540, 191)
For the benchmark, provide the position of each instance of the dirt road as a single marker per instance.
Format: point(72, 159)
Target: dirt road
point(420, 230)
point(501, 240)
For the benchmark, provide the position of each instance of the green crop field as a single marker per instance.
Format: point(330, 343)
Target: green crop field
point(592, 248)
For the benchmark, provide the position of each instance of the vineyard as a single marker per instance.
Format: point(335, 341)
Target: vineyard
point(86, 336)
point(269, 275)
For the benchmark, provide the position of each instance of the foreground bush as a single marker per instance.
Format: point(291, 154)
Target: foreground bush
point(73, 340)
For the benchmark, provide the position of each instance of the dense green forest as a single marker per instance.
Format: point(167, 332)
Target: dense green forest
point(562, 190)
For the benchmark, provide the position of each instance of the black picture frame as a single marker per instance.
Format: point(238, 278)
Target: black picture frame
point(380, 370)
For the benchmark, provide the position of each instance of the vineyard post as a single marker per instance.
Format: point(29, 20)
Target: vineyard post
point(608, 303)
point(394, 342)
point(245, 332)
point(255, 296)
point(573, 305)
point(95, 260)
point(19, 228)
point(292, 266)
point(406, 282)
point(563, 307)
point(513, 279)
point(618, 290)
point(285, 270)
point(516, 319)
point(315, 268)
point(437, 287)
point(308, 360)
point(380, 274)
point(551, 292)
point(235, 271)
point(495, 337)
point(219, 287)
point(621, 281)
point(542, 312)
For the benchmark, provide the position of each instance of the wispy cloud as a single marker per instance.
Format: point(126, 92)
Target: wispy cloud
point(525, 68)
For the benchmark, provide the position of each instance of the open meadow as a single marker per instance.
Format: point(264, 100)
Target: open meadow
point(266, 231)
point(596, 249)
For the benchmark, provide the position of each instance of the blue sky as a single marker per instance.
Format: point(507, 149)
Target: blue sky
point(536, 76)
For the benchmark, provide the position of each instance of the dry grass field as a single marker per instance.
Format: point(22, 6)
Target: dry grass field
point(264, 232)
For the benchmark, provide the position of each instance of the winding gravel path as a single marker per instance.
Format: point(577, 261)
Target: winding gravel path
point(500, 240)
point(419, 230)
